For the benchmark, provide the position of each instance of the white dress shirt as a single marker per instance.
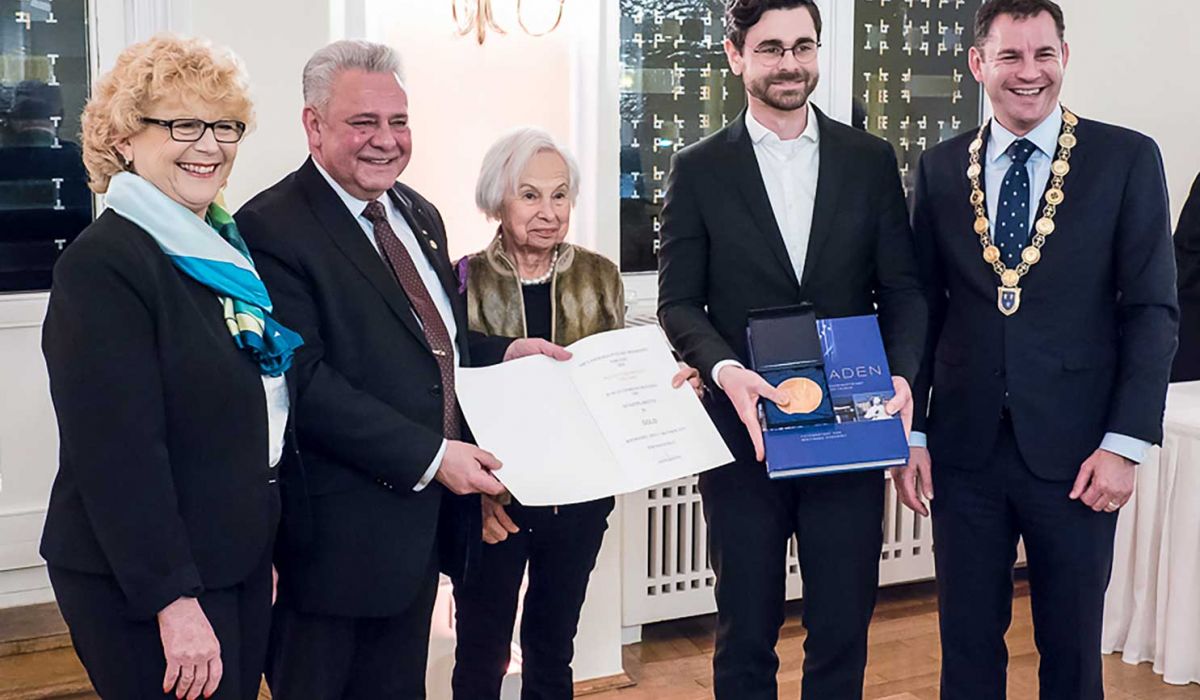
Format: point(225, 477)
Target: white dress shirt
point(789, 172)
point(428, 276)
point(278, 405)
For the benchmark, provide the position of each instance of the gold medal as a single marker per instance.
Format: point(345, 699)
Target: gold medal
point(1010, 278)
point(1068, 141)
point(806, 395)
point(991, 255)
point(974, 171)
point(1070, 118)
point(1054, 196)
point(1045, 226)
point(981, 225)
point(1060, 168)
point(1031, 255)
point(976, 145)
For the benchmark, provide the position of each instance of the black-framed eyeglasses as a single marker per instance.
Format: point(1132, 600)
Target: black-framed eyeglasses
point(192, 130)
point(772, 54)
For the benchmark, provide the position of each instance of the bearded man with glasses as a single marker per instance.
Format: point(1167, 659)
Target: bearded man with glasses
point(786, 206)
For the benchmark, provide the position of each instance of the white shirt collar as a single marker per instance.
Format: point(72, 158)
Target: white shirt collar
point(354, 204)
point(759, 133)
point(1044, 136)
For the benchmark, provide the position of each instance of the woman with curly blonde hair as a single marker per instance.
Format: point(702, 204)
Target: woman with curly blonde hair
point(168, 375)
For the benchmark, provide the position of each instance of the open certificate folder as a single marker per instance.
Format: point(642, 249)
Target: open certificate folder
point(603, 423)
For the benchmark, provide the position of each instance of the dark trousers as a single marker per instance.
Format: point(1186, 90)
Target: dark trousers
point(560, 546)
point(837, 520)
point(329, 657)
point(124, 658)
point(977, 518)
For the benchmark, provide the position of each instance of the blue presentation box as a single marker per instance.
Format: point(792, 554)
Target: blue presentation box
point(849, 430)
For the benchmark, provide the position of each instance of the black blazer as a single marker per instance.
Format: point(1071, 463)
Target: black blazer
point(722, 254)
point(163, 474)
point(1090, 348)
point(369, 404)
point(1187, 258)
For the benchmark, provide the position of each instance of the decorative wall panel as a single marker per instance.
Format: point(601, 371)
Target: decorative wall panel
point(911, 81)
point(676, 88)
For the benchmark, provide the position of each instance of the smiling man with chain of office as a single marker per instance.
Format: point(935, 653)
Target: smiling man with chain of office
point(1046, 247)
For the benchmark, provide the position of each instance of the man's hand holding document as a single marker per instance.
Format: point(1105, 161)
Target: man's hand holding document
point(605, 422)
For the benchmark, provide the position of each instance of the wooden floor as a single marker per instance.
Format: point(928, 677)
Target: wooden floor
point(673, 662)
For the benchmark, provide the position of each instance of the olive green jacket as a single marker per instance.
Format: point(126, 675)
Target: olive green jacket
point(586, 294)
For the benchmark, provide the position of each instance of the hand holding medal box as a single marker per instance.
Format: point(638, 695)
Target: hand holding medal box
point(835, 375)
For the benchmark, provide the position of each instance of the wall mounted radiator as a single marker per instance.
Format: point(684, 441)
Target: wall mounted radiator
point(666, 570)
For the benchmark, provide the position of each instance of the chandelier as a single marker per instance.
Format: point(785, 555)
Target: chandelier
point(475, 17)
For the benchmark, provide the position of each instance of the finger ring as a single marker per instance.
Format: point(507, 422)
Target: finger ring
point(1112, 505)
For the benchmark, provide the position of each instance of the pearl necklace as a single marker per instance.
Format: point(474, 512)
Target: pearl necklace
point(544, 278)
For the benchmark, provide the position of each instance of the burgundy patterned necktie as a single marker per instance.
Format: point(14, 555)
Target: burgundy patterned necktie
point(436, 334)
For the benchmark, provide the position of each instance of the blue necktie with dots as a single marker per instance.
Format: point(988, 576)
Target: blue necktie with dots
point(1012, 216)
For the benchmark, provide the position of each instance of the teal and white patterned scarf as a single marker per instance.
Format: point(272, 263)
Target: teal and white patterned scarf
point(213, 253)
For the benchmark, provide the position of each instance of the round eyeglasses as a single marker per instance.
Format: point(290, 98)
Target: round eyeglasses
point(771, 55)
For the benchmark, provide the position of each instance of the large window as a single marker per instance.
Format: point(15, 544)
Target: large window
point(44, 200)
point(911, 81)
point(676, 88)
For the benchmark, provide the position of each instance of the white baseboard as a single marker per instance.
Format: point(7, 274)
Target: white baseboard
point(20, 536)
point(29, 586)
point(631, 635)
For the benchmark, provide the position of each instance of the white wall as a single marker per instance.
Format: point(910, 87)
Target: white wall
point(1133, 64)
point(274, 38)
point(463, 96)
point(28, 450)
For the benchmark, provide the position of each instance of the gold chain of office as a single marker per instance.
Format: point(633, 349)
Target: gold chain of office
point(1009, 293)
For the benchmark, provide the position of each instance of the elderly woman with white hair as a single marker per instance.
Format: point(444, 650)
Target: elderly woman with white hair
point(530, 283)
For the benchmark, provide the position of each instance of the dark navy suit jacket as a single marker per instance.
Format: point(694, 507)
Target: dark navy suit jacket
point(1090, 349)
point(1187, 257)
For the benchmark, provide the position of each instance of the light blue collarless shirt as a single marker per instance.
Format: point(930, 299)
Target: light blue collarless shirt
point(1045, 138)
point(428, 277)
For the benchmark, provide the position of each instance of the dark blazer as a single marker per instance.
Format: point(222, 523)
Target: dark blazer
point(163, 474)
point(369, 404)
point(1187, 258)
point(723, 255)
point(1090, 348)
